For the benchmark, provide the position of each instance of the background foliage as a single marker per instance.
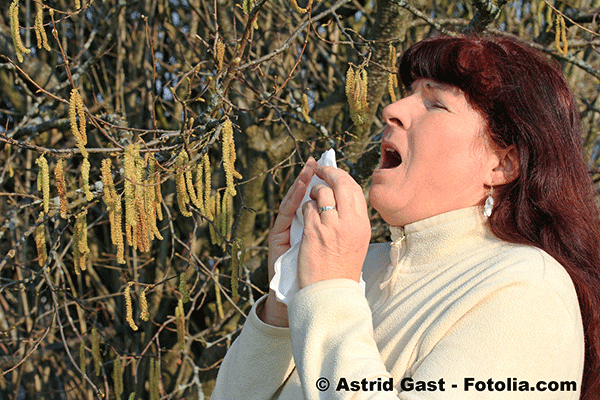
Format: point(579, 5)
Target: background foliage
point(160, 79)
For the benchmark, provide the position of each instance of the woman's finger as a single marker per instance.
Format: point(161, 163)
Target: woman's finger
point(326, 203)
point(293, 198)
point(349, 197)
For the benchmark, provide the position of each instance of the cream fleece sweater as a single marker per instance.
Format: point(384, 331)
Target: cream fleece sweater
point(450, 312)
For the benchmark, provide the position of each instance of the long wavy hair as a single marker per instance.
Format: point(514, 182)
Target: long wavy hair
point(527, 103)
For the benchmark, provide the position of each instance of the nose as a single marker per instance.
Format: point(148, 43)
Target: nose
point(396, 114)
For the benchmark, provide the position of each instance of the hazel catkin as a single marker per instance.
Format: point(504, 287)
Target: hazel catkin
point(14, 29)
point(144, 313)
point(180, 322)
point(80, 244)
point(85, 180)
point(237, 258)
point(76, 111)
point(219, 53)
point(61, 186)
point(40, 241)
point(356, 92)
point(129, 307)
point(227, 137)
point(183, 289)
point(180, 185)
point(40, 32)
point(43, 181)
point(560, 37)
point(305, 108)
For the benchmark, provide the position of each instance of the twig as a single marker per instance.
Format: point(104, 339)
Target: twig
point(486, 13)
point(404, 4)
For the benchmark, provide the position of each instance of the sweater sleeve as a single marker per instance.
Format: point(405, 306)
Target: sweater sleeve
point(258, 362)
point(332, 340)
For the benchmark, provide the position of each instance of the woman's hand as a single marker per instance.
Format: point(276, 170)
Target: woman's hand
point(275, 312)
point(335, 241)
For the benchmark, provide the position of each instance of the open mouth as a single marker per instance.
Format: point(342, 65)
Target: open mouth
point(390, 158)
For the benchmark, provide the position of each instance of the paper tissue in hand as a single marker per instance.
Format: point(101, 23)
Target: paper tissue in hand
point(285, 280)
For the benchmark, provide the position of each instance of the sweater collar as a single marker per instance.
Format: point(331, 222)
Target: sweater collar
point(430, 239)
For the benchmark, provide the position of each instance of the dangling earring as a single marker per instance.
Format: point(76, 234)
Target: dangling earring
point(489, 203)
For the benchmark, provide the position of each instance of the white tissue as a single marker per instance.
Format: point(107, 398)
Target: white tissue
point(285, 279)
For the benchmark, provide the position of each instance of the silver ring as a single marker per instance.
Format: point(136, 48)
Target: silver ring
point(326, 208)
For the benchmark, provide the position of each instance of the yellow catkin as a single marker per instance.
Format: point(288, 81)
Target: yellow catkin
point(79, 130)
point(183, 289)
point(207, 180)
point(40, 32)
point(155, 172)
point(248, 6)
point(356, 92)
point(129, 306)
point(108, 191)
point(351, 94)
point(82, 358)
point(563, 36)
point(80, 245)
point(558, 35)
point(116, 228)
point(152, 205)
point(43, 181)
point(305, 107)
point(183, 198)
point(225, 214)
point(96, 351)
point(218, 301)
point(130, 182)
point(237, 258)
point(142, 231)
point(299, 9)
point(117, 376)
point(77, 4)
point(199, 187)
point(144, 313)
point(14, 29)
point(180, 322)
point(107, 180)
point(364, 105)
point(85, 180)
point(220, 53)
point(191, 189)
point(61, 186)
point(232, 158)
point(142, 235)
point(228, 156)
point(40, 241)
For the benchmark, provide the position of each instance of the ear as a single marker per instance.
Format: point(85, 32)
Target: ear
point(507, 168)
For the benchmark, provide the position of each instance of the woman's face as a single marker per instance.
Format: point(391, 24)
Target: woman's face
point(433, 155)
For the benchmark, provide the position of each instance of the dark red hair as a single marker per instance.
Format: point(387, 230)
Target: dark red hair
point(527, 103)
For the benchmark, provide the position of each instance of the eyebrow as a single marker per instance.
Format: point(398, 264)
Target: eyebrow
point(438, 86)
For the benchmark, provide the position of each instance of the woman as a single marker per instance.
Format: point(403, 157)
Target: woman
point(467, 302)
